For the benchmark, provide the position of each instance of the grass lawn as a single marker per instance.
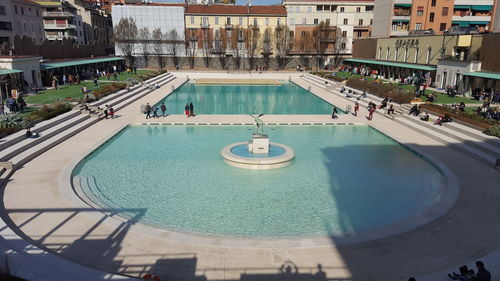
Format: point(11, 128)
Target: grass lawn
point(124, 76)
point(50, 96)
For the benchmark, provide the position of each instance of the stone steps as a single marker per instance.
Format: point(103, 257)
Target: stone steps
point(465, 148)
point(31, 153)
point(27, 143)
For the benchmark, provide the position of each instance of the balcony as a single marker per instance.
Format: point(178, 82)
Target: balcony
point(229, 26)
point(59, 26)
point(402, 13)
point(401, 18)
point(399, 33)
point(241, 39)
point(60, 37)
point(218, 50)
point(476, 2)
point(193, 38)
point(57, 15)
point(362, 27)
point(471, 18)
point(204, 25)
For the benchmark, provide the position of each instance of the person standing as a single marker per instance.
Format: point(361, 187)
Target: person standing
point(96, 83)
point(111, 112)
point(371, 109)
point(191, 109)
point(356, 108)
point(482, 274)
point(186, 110)
point(163, 109)
point(155, 111)
point(115, 76)
point(148, 111)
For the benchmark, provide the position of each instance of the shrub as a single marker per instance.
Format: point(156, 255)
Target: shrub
point(108, 89)
point(493, 131)
point(50, 111)
point(398, 95)
point(469, 118)
point(7, 131)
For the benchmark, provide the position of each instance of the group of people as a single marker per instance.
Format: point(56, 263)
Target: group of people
point(486, 95)
point(189, 110)
point(109, 112)
point(152, 111)
point(488, 112)
point(15, 105)
point(88, 74)
point(467, 274)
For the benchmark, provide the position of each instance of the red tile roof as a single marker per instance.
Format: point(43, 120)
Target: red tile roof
point(235, 10)
point(332, 1)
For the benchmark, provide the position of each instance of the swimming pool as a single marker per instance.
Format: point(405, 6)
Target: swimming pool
point(287, 98)
point(344, 179)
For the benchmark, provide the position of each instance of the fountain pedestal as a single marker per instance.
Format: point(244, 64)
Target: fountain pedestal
point(259, 144)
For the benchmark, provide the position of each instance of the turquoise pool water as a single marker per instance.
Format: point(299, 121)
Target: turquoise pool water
point(343, 179)
point(246, 99)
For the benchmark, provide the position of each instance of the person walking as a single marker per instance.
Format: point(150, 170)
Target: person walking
point(111, 112)
point(191, 109)
point(106, 111)
point(155, 111)
point(163, 109)
point(371, 109)
point(334, 112)
point(96, 82)
point(186, 110)
point(356, 108)
point(148, 111)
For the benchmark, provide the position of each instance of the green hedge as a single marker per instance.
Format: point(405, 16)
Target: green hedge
point(397, 95)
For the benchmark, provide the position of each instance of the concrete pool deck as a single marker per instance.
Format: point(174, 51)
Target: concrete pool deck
point(43, 208)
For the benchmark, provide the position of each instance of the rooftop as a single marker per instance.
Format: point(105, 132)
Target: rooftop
point(236, 10)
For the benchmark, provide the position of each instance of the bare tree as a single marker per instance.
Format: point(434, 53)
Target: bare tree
point(145, 41)
point(158, 47)
point(339, 48)
point(283, 45)
point(323, 38)
point(253, 40)
point(206, 48)
point(173, 46)
point(220, 46)
point(303, 47)
point(125, 35)
point(237, 41)
point(267, 49)
point(191, 46)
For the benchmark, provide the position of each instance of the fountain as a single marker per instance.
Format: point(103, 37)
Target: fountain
point(258, 153)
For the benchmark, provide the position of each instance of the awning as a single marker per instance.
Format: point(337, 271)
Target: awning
point(461, 23)
point(482, 7)
point(462, 7)
point(400, 20)
point(51, 65)
point(487, 75)
point(9, 71)
point(402, 5)
point(394, 64)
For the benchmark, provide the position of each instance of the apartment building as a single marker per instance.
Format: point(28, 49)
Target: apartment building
point(400, 17)
point(352, 19)
point(61, 21)
point(225, 28)
point(22, 18)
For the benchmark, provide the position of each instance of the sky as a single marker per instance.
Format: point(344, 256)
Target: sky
point(238, 2)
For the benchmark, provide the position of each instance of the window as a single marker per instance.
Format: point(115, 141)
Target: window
point(358, 9)
point(205, 21)
point(292, 21)
point(279, 21)
point(25, 27)
point(5, 25)
point(304, 21)
point(344, 33)
point(334, 8)
point(326, 7)
point(216, 20)
point(360, 34)
point(267, 21)
point(346, 21)
point(255, 22)
point(416, 55)
point(343, 46)
point(327, 21)
point(303, 34)
point(319, 8)
point(444, 12)
point(297, 9)
point(431, 17)
point(368, 8)
point(360, 22)
point(290, 9)
point(22, 10)
point(316, 21)
point(228, 20)
point(15, 10)
point(442, 27)
point(418, 26)
point(2, 10)
point(420, 11)
point(309, 9)
point(380, 53)
point(192, 20)
point(291, 33)
point(396, 53)
point(342, 9)
point(241, 21)
point(433, 3)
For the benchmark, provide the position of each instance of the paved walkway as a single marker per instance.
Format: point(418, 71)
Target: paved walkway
point(40, 201)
